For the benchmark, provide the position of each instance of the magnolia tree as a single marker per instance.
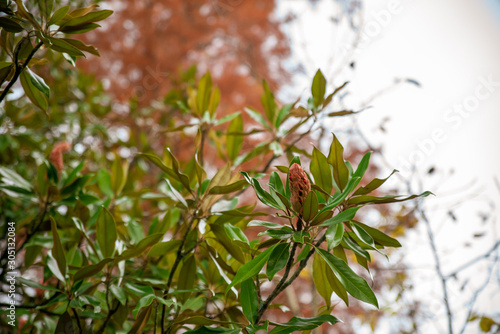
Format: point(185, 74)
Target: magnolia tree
point(93, 248)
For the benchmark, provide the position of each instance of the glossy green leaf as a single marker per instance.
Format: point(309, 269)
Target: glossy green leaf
point(297, 324)
point(82, 46)
point(256, 116)
point(58, 250)
point(330, 97)
point(203, 94)
point(106, 232)
point(372, 185)
point(264, 224)
point(39, 83)
point(267, 100)
point(163, 248)
point(104, 182)
point(141, 246)
point(231, 247)
point(234, 141)
point(58, 15)
point(46, 7)
point(348, 242)
point(87, 18)
point(355, 285)
point(235, 233)
point(318, 88)
point(179, 175)
point(378, 236)
point(35, 95)
point(367, 199)
point(249, 300)
point(322, 276)
point(36, 285)
point(363, 166)
point(65, 324)
point(310, 206)
point(262, 195)
point(119, 293)
point(283, 234)
point(10, 25)
point(251, 268)
point(54, 267)
point(334, 234)
point(336, 159)
point(90, 270)
point(278, 259)
point(187, 277)
point(276, 182)
point(320, 169)
point(229, 188)
point(341, 217)
point(63, 46)
point(282, 114)
point(362, 234)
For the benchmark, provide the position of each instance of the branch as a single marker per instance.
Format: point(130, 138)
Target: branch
point(19, 68)
point(439, 272)
point(471, 262)
point(178, 259)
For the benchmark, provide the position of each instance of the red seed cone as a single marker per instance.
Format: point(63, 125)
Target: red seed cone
point(299, 187)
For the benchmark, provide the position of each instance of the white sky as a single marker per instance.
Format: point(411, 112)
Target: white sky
point(447, 46)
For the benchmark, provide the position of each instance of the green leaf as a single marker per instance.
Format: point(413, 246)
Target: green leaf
point(10, 25)
point(278, 259)
point(334, 234)
point(179, 175)
point(106, 232)
point(235, 233)
point(36, 96)
point(330, 97)
point(249, 300)
point(177, 195)
point(119, 293)
point(251, 268)
point(310, 206)
point(363, 166)
point(372, 185)
point(143, 302)
point(262, 195)
point(141, 319)
point(341, 217)
point(366, 199)
point(282, 114)
point(283, 234)
point(63, 46)
point(229, 188)
point(355, 285)
point(234, 141)
point(82, 46)
point(203, 94)
point(267, 100)
point(378, 236)
point(297, 324)
point(256, 116)
point(322, 276)
point(36, 285)
point(104, 182)
point(264, 224)
point(222, 237)
point(58, 250)
point(90, 270)
point(46, 7)
point(276, 182)
point(65, 324)
point(119, 175)
point(140, 247)
point(208, 330)
point(86, 19)
point(187, 277)
point(336, 159)
point(11, 178)
point(58, 15)
point(80, 29)
point(163, 248)
point(320, 169)
point(362, 234)
point(39, 83)
point(54, 267)
point(318, 88)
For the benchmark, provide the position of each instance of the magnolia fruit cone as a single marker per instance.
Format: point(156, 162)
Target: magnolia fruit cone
point(299, 187)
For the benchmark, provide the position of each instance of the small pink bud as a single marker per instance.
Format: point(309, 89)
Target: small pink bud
point(299, 187)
